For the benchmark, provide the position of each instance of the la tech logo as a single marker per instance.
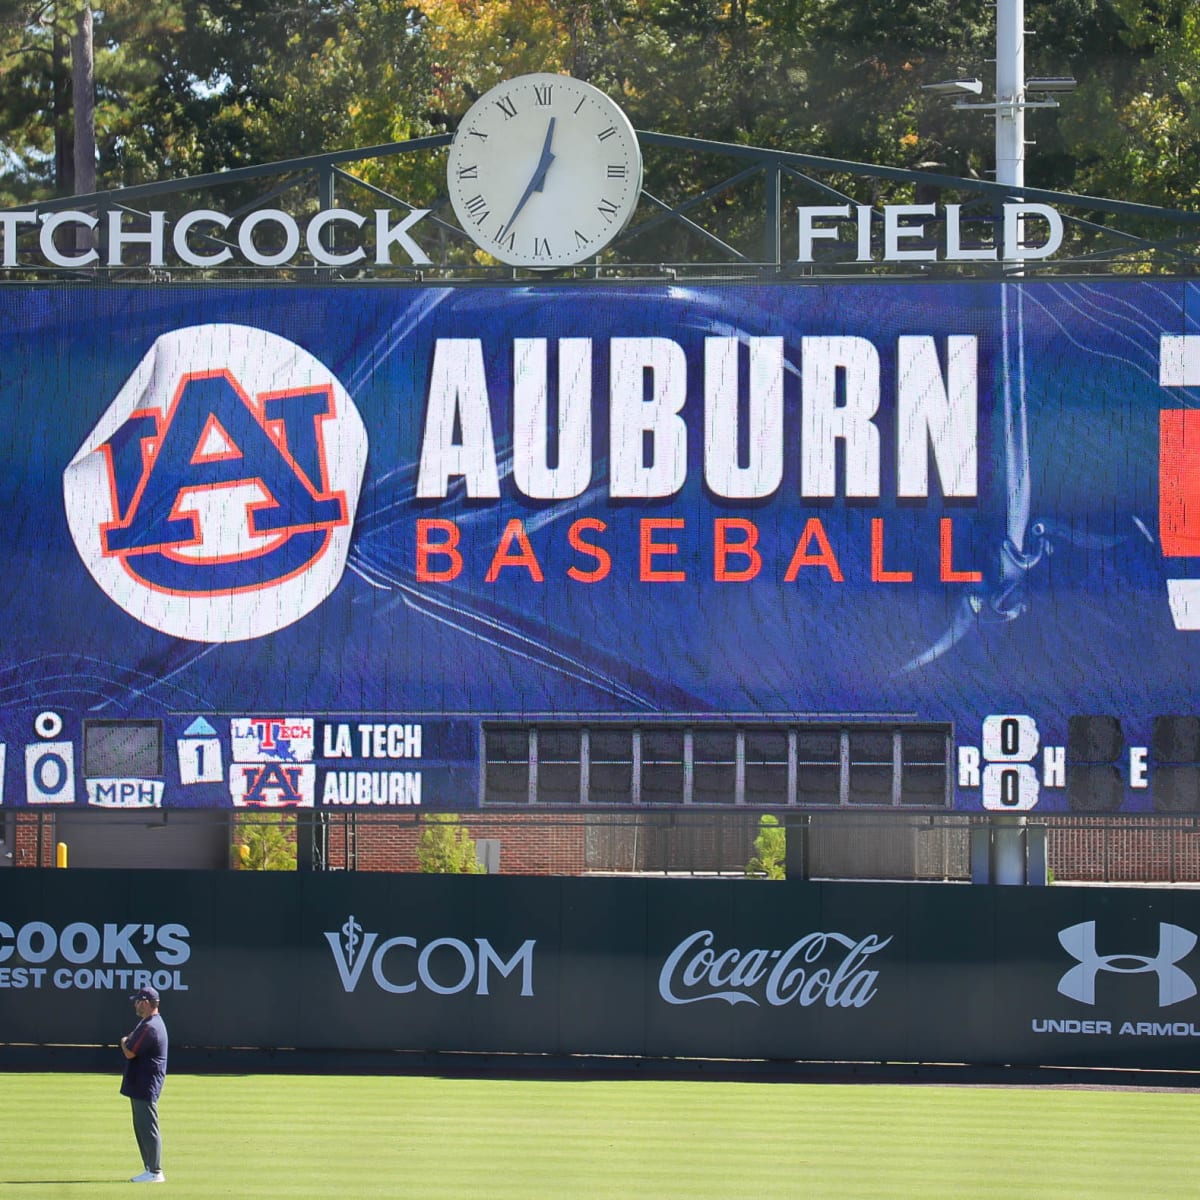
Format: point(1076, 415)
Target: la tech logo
point(215, 498)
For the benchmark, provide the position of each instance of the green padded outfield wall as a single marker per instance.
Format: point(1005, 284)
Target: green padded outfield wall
point(709, 969)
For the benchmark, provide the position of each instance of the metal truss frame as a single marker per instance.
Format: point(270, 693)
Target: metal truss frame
point(709, 210)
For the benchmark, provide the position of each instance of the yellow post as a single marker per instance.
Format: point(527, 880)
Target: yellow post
point(61, 854)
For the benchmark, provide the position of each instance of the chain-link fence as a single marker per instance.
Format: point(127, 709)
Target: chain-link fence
point(813, 845)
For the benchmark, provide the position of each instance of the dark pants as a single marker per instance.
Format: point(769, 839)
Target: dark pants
point(145, 1129)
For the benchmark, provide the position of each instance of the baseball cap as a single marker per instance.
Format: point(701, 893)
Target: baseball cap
point(146, 993)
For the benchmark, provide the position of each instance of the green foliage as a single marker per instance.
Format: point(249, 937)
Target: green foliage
point(1134, 127)
point(446, 848)
point(264, 841)
point(185, 89)
point(770, 850)
point(136, 75)
point(188, 88)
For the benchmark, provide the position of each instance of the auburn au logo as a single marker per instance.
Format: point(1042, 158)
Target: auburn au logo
point(214, 499)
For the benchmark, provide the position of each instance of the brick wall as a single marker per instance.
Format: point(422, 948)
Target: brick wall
point(32, 829)
point(529, 844)
point(1095, 849)
point(1121, 851)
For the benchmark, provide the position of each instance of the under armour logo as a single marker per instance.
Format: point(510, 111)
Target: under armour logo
point(1174, 983)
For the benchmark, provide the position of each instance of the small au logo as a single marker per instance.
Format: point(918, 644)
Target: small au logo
point(214, 499)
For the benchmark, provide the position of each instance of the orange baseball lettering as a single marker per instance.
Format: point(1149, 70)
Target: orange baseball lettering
point(447, 549)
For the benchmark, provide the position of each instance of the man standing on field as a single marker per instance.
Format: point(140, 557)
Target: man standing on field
point(145, 1050)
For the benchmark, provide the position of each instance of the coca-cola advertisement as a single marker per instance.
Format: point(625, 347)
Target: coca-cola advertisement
point(818, 968)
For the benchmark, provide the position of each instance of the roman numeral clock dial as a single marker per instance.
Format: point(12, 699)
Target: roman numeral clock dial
point(544, 171)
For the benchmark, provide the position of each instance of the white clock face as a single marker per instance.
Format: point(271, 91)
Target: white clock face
point(544, 171)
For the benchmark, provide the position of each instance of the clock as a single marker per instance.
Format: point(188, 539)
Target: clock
point(544, 171)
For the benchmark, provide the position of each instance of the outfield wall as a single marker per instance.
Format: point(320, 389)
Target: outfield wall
point(657, 968)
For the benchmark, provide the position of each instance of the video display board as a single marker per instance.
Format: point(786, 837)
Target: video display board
point(831, 544)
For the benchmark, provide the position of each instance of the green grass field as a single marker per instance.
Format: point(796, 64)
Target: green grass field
point(265, 1136)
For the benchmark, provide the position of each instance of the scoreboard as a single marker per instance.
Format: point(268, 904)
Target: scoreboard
point(861, 544)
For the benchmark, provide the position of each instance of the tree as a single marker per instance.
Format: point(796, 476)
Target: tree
point(54, 53)
point(34, 99)
point(83, 100)
point(362, 80)
point(446, 848)
point(770, 850)
point(264, 841)
point(1136, 119)
point(184, 89)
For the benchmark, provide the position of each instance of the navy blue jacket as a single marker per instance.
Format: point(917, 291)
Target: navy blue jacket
point(145, 1072)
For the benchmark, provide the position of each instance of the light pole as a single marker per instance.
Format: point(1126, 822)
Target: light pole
point(1010, 92)
point(1013, 92)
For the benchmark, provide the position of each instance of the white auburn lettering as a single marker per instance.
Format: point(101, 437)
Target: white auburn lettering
point(790, 976)
point(638, 365)
point(824, 422)
point(532, 472)
point(936, 418)
point(458, 388)
point(937, 412)
point(763, 472)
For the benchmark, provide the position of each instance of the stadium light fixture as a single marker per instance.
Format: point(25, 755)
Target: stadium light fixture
point(1013, 92)
point(955, 87)
point(1053, 83)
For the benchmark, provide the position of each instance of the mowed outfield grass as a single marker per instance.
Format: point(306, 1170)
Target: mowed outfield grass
point(265, 1136)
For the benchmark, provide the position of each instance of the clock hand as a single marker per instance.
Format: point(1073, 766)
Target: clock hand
point(538, 182)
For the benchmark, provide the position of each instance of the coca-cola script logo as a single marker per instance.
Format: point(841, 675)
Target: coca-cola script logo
point(827, 967)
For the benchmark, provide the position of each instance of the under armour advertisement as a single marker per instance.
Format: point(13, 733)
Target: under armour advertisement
point(655, 968)
point(928, 546)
